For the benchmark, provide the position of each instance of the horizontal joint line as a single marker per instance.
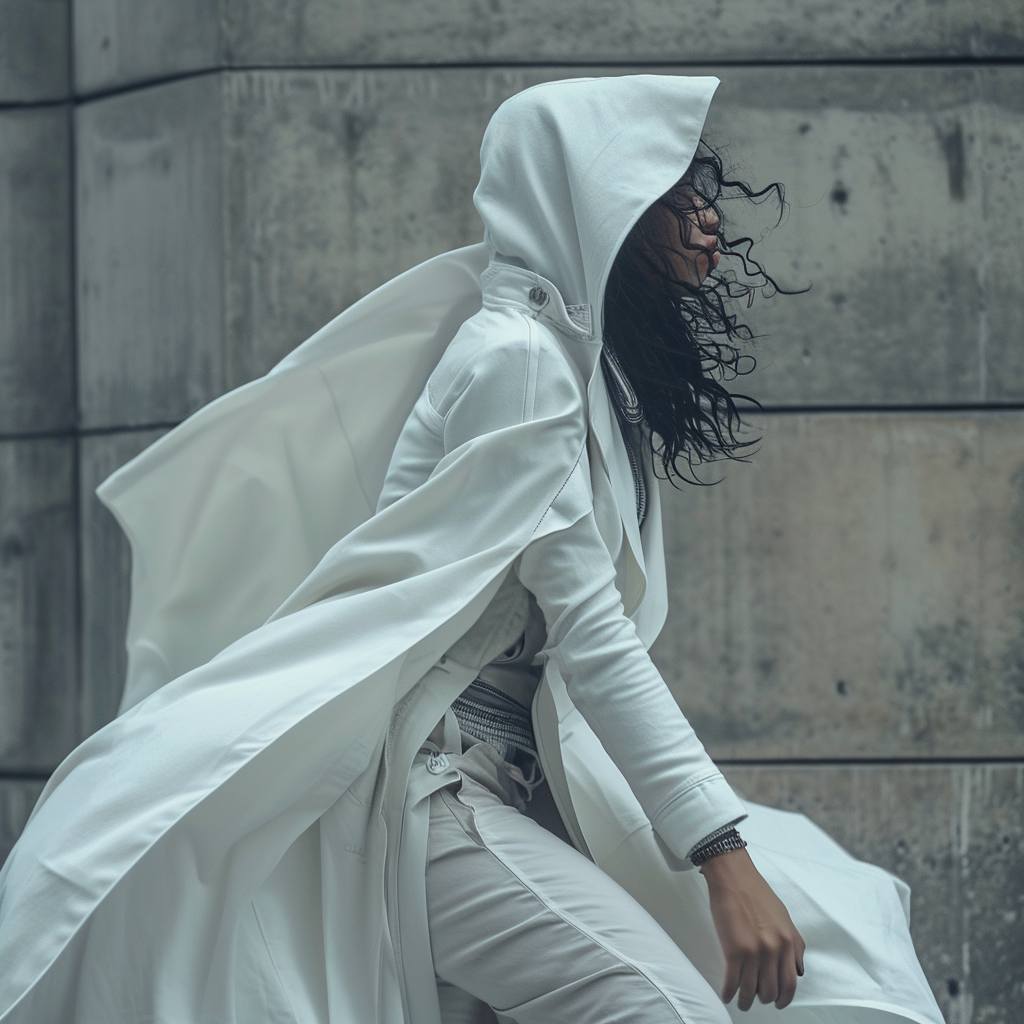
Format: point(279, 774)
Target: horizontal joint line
point(70, 433)
point(966, 61)
point(846, 762)
point(929, 407)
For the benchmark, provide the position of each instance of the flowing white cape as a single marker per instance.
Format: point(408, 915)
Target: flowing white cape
point(173, 814)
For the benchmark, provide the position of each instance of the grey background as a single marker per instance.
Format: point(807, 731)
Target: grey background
point(188, 189)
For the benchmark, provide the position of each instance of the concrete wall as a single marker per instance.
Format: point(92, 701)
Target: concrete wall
point(309, 188)
point(39, 598)
point(845, 631)
point(35, 64)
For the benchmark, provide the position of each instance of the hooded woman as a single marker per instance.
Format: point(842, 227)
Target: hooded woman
point(391, 747)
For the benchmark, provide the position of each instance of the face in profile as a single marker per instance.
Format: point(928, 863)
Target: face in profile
point(677, 236)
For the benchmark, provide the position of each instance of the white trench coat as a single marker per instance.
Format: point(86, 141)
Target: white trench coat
point(245, 841)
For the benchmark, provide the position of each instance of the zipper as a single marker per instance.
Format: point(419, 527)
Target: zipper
point(629, 413)
point(638, 483)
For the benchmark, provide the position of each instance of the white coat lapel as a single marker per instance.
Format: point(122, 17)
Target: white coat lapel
point(613, 454)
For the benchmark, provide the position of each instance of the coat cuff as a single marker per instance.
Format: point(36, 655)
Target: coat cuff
point(703, 808)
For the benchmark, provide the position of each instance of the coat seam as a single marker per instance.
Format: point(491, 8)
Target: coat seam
point(526, 376)
point(562, 488)
point(273, 962)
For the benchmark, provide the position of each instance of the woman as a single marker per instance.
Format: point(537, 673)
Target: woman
point(496, 882)
point(286, 820)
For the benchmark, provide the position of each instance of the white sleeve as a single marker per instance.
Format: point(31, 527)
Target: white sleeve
point(612, 681)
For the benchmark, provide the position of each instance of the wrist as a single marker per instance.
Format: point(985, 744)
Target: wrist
point(725, 866)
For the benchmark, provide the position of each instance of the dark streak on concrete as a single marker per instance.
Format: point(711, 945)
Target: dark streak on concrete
point(952, 143)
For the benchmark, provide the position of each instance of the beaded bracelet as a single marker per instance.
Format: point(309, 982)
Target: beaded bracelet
point(710, 837)
point(730, 840)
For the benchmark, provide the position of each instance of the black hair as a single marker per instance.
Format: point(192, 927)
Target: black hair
point(670, 345)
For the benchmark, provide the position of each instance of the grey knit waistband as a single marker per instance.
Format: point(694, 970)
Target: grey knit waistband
point(489, 714)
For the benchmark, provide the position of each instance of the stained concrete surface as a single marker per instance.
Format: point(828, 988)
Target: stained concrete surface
point(119, 42)
point(17, 798)
point(36, 330)
point(34, 50)
point(38, 604)
point(106, 578)
point(149, 254)
point(857, 590)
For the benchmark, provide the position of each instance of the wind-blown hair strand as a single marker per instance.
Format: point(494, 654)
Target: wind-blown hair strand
point(671, 346)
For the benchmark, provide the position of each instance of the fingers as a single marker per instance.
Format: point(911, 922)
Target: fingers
point(787, 979)
point(770, 974)
point(732, 978)
point(748, 983)
point(741, 971)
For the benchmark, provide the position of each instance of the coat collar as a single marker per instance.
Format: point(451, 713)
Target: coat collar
point(504, 284)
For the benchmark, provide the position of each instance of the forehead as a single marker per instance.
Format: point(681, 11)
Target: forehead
point(699, 183)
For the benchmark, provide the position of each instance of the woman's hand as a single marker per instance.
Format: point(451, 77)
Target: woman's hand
point(764, 952)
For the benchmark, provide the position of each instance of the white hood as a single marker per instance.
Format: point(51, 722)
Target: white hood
point(567, 168)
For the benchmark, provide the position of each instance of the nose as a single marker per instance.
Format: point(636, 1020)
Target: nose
point(708, 219)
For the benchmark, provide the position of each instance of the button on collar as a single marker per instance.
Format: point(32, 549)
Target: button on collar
point(504, 284)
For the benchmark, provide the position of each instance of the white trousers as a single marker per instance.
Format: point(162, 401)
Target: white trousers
point(524, 928)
